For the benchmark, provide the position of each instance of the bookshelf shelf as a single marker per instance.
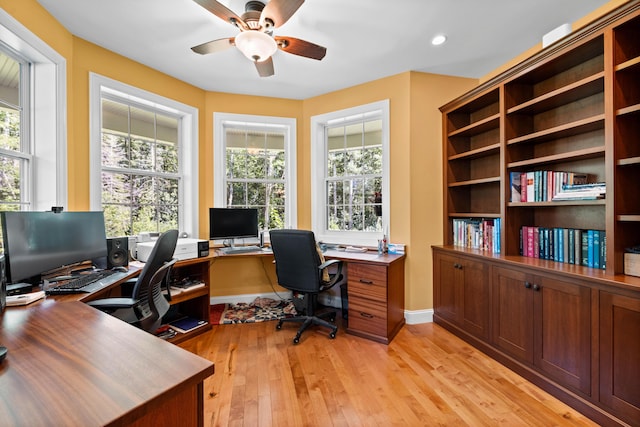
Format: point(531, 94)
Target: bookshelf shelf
point(493, 179)
point(477, 153)
point(631, 64)
point(630, 161)
point(191, 302)
point(628, 218)
point(581, 89)
point(598, 202)
point(478, 127)
point(632, 109)
point(474, 215)
point(572, 108)
point(569, 129)
point(587, 153)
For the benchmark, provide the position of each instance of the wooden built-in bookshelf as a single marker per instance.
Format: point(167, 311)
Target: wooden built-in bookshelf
point(573, 107)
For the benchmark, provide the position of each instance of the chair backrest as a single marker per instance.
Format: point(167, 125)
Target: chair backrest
point(155, 305)
point(161, 253)
point(297, 259)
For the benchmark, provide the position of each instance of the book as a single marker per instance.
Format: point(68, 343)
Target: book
point(589, 248)
point(571, 246)
point(603, 250)
point(187, 324)
point(530, 187)
point(24, 299)
point(584, 249)
point(596, 248)
point(515, 186)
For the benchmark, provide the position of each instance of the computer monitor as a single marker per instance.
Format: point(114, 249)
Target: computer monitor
point(37, 242)
point(232, 223)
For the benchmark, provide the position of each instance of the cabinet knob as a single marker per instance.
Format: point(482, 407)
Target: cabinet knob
point(536, 287)
point(527, 285)
point(458, 266)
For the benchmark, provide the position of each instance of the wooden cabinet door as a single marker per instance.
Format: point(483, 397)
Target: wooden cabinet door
point(462, 293)
point(447, 288)
point(620, 355)
point(475, 298)
point(562, 327)
point(512, 311)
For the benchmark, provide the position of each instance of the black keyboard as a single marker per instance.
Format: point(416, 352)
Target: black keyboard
point(76, 285)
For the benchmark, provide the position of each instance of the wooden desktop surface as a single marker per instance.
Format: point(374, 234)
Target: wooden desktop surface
point(70, 364)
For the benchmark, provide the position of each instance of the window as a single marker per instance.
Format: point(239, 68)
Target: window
point(139, 157)
point(254, 167)
point(33, 159)
point(15, 151)
point(350, 174)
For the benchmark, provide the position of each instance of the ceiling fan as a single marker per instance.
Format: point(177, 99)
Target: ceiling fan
point(256, 40)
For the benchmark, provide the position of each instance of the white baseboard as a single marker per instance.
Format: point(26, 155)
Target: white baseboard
point(414, 317)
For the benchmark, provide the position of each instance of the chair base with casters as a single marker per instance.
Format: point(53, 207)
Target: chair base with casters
point(311, 318)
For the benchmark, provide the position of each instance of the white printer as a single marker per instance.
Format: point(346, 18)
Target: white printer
point(185, 249)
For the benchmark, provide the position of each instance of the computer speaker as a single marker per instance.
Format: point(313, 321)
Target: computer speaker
point(117, 252)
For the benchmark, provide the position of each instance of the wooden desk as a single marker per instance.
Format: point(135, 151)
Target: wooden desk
point(375, 291)
point(70, 364)
point(194, 303)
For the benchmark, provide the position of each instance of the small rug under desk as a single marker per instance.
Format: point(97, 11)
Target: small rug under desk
point(260, 310)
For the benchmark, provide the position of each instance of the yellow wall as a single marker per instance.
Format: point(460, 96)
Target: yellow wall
point(415, 163)
point(415, 158)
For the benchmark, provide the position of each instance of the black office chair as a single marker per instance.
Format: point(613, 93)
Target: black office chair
point(299, 269)
point(147, 304)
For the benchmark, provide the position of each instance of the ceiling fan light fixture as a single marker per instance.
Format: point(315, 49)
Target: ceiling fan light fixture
point(438, 40)
point(256, 45)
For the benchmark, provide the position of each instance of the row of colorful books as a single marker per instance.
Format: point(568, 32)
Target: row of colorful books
point(477, 234)
point(568, 245)
point(542, 186)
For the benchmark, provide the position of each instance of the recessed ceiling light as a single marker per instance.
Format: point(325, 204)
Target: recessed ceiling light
point(438, 40)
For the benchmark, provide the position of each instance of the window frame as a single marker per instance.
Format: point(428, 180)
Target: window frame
point(220, 167)
point(318, 175)
point(187, 149)
point(47, 179)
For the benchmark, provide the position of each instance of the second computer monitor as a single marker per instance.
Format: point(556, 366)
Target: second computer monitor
point(233, 223)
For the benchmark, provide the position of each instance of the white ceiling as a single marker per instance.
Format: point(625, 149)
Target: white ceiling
point(365, 39)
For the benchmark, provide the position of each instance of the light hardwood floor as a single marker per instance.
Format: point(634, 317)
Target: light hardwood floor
point(425, 377)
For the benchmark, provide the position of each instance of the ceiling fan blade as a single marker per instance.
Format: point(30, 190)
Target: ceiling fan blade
point(279, 11)
point(214, 46)
point(301, 47)
point(222, 12)
point(265, 68)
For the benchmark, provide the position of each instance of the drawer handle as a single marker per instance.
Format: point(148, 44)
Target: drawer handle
point(367, 315)
point(366, 282)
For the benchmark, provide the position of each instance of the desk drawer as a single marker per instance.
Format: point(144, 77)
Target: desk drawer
point(368, 281)
point(368, 316)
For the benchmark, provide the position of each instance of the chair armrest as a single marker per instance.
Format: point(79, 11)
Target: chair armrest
point(113, 303)
point(329, 263)
point(334, 278)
